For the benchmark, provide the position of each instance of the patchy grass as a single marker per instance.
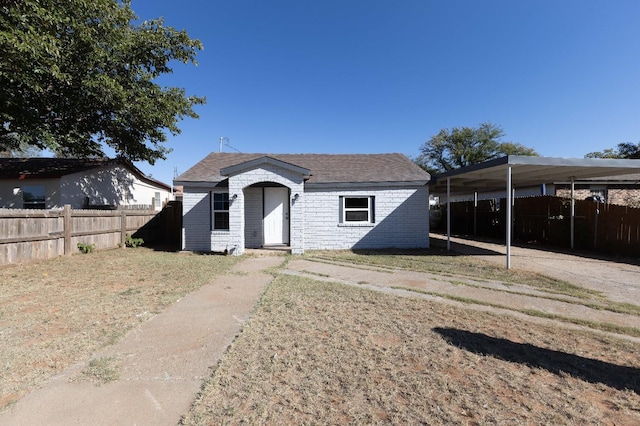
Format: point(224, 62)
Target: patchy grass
point(612, 328)
point(58, 312)
point(101, 371)
point(446, 263)
point(327, 353)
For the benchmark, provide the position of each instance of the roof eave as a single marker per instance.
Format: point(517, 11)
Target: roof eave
point(199, 183)
point(385, 184)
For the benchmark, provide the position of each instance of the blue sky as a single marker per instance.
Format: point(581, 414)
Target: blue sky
point(355, 76)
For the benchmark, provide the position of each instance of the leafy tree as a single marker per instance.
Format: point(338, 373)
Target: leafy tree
point(78, 75)
point(21, 151)
point(462, 146)
point(623, 150)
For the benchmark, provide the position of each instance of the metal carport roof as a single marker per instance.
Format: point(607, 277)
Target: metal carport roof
point(513, 171)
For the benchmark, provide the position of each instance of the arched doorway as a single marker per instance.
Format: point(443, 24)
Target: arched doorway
point(267, 215)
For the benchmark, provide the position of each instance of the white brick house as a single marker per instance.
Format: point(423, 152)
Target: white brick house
point(304, 201)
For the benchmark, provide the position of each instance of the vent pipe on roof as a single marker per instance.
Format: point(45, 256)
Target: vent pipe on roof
point(222, 139)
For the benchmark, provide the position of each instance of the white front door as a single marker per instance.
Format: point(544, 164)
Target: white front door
point(276, 215)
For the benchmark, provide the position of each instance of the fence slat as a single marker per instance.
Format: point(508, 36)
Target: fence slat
point(545, 220)
point(27, 235)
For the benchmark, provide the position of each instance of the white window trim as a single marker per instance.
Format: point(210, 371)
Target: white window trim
point(214, 211)
point(345, 209)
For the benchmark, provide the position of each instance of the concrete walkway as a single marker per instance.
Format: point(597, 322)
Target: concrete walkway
point(162, 363)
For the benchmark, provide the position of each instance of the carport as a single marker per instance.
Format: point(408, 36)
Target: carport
point(517, 171)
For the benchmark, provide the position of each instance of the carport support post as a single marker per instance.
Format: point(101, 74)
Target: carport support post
point(573, 211)
point(508, 218)
point(475, 213)
point(448, 214)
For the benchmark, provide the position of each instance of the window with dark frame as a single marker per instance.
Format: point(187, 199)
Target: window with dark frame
point(357, 209)
point(33, 197)
point(221, 211)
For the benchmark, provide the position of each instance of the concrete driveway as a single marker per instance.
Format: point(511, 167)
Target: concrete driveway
point(619, 281)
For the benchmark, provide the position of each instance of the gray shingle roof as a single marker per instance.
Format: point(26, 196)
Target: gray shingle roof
point(325, 168)
point(42, 168)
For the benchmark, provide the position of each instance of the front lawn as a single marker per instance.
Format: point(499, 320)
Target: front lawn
point(58, 312)
point(325, 353)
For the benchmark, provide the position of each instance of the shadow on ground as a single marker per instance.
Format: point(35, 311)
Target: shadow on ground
point(589, 370)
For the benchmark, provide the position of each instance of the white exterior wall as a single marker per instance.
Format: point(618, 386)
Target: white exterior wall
point(11, 192)
point(528, 191)
point(401, 219)
point(115, 185)
point(265, 173)
point(401, 216)
point(253, 212)
point(197, 217)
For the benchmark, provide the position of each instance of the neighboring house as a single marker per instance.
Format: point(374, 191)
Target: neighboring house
point(622, 190)
point(304, 201)
point(46, 183)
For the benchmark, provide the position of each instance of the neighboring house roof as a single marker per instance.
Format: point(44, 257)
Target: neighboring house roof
point(46, 168)
point(324, 168)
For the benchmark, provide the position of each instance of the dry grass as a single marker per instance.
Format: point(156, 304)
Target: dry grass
point(447, 263)
point(55, 313)
point(322, 353)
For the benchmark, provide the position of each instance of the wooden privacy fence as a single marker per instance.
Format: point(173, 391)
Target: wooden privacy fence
point(546, 220)
point(27, 235)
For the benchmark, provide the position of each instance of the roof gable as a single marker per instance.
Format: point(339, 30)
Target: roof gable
point(324, 168)
point(252, 164)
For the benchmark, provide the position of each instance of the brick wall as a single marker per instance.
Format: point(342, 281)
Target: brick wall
point(196, 222)
point(238, 185)
point(578, 194)
point(401, 220)
point(253, 217)
point(624, 197)
point(401, 216)
point(619, 196)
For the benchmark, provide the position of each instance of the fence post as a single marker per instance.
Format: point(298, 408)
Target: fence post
point(66, 224)
point(123, 228)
